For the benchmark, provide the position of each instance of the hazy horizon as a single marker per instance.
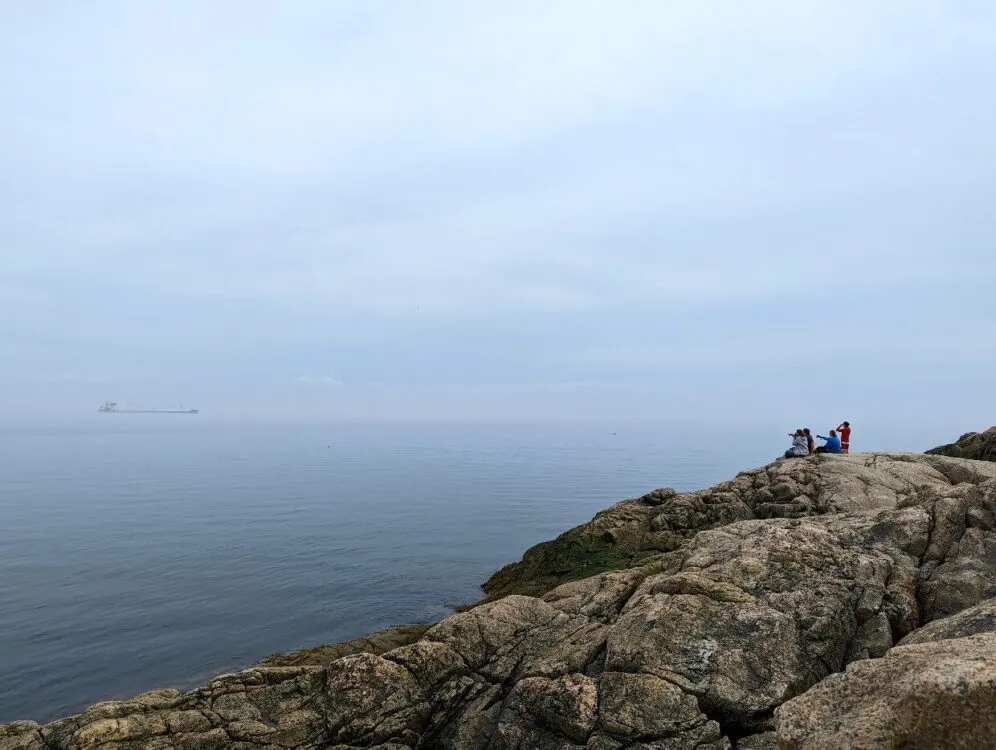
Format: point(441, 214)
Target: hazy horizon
point(564, 211)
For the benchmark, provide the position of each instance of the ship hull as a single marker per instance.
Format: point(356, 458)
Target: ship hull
point(148, 411)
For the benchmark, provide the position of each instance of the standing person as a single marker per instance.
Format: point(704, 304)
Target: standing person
point(845, 436)
point(799, 446)
point(809, 440)
point(832, 445)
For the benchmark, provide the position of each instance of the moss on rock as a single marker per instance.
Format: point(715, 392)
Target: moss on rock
point(375, 643)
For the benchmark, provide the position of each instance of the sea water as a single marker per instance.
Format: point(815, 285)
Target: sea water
point(148, 551)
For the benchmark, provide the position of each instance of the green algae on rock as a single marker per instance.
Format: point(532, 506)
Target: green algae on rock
point(376, 643)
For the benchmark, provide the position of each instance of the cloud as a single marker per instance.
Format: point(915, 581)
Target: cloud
point(819, 346)
point(319, 381)
point(80, 378)
point(463, 198)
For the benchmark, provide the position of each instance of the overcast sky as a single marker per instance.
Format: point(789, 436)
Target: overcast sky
point(542, 210)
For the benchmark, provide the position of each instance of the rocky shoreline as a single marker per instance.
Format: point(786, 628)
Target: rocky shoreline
point(822, 602)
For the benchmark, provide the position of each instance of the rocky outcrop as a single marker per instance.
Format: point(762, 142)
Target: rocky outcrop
point(738, 635)
point(261, 707)
point(630, 532)
point(977, 445)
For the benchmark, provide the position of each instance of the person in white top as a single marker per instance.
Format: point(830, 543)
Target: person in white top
point(800, 445)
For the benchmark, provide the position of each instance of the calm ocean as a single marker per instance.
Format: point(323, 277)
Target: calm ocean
point(148, 551)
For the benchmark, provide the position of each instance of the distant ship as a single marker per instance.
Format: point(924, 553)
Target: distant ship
point(111, 407)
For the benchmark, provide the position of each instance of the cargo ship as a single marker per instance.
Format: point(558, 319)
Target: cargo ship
point(111, 407)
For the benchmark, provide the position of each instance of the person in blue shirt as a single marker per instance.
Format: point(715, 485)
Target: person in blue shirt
point(832, 444)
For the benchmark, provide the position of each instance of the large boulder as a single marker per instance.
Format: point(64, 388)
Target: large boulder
point(926, 696)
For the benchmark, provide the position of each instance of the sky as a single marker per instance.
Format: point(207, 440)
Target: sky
point(541, 211)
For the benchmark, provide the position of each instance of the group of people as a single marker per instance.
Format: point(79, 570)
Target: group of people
point(804, 445)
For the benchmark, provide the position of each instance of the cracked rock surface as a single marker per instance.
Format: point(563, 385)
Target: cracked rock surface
point(769, 616)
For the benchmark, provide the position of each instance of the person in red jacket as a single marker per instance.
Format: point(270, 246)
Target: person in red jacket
point(844, 430)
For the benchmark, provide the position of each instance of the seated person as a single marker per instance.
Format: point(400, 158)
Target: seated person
point(800, 447)
point(832, 445)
